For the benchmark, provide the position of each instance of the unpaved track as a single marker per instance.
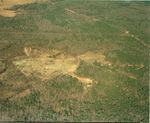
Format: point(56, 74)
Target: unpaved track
point(95, 19)
point(145, 44)
point(7, 4)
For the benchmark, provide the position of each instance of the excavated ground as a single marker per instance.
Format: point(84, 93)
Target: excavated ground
point(47, 64)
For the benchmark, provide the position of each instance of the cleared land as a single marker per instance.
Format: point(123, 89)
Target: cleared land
point(5, 5)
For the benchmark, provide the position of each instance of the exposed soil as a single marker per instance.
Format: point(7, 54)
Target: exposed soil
point(47, 64)
point(70, 10)
point(131, 76)
point(7, 4)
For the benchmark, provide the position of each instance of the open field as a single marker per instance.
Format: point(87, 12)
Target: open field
point(74, 61)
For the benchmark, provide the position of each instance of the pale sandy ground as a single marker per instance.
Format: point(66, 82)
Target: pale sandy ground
point(7, 4)
point(40, 64)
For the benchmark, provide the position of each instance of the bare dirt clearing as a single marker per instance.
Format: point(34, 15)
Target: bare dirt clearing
point(47, 64)
point(91, 57)
point(7, 4)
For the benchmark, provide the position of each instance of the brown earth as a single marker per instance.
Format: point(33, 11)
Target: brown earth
point(70, 10)
point(7, 4)
point(47, 64)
